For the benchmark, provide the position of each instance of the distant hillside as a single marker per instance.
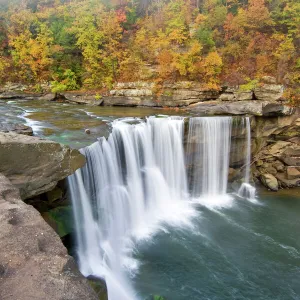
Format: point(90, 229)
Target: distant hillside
point(91, 43)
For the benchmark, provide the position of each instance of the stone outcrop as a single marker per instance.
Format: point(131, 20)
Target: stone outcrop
point(255, 108)
point(28, 96)
point(185, 93)
point(34, 264)
point(16, 128)
point(81, 98)
point(143, 93)
point(35, 165)
point(277, 152)
point(176, 94)
point(267, 89)
point(234, 94)
point(25, 92)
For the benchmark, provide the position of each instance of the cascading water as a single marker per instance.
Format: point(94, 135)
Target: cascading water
point(246, 190)
point(136, 180)
point(208, 158)
point(130, 183)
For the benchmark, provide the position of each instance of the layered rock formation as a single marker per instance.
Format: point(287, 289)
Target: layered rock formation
point(255, 108)
point(16, 128)
point(35, 165)
point(276, 151)
point(34, 264)
point(140, 93)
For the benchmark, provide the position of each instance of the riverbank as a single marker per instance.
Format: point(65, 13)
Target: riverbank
point(150, 94)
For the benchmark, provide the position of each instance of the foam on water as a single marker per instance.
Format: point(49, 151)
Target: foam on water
point(135, 184)
point(246, 190)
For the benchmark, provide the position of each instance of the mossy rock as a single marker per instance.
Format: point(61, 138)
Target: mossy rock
point(99, 286)
point(60, 219)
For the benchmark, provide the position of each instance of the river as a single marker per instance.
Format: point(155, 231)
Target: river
point(209, 246)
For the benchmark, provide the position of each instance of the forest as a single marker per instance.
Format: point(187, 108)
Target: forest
point(91, 44)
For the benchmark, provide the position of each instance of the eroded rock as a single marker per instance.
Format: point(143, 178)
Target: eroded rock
point(255, 108)
point(82, 98)
point(268, 91)
point(16, 128)
point(34, 264)
point(35, 165)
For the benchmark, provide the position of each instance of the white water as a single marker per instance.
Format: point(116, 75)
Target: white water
point(136, 181)
point(208, 151)
point(246, 190)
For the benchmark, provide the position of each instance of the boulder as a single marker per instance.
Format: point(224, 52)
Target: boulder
point(48, 97)
point(268, 92)
point(35, 165)
point(269, 181)
point(34, 264)
point(287, 183)
point(287, 152)
point(293, 173)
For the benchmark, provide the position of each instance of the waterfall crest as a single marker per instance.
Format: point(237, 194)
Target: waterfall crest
point(136, 180)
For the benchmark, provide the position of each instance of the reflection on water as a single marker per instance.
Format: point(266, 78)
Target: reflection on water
point(66, 123)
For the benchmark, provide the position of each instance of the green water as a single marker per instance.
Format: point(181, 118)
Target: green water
point(246, 251)
point(66, 123)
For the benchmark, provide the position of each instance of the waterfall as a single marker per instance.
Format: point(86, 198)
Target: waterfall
point(210, 138)
point(136, 181)
point(246, 190)
point(208, 156)
point(130, 183)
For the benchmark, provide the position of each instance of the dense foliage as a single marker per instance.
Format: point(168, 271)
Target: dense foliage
point(93, 43)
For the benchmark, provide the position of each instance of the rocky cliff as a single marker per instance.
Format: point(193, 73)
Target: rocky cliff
point(34, 264)
point(277, 153)
point(35, 165)
point(141, 93)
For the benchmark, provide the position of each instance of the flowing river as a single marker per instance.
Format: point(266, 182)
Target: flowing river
point(154, 212)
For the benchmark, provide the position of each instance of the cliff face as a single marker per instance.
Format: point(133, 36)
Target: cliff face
point(35, 165)
point(142, 93)
point(277, 153)
point(275, 147)
point(34, 264)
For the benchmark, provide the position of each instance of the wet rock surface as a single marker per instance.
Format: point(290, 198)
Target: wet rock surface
point(16, 128)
